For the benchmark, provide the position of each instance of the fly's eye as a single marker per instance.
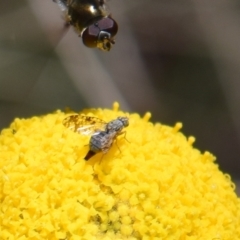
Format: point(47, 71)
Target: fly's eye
point(100, 34)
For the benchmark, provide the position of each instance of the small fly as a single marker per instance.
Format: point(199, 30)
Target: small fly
point(91, 20)
point(102, 134)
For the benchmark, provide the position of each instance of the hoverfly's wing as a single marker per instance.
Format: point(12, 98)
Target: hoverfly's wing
point(84, 124)
point(62, 4)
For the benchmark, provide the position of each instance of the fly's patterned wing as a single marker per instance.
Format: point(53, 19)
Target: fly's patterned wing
point(84, 124)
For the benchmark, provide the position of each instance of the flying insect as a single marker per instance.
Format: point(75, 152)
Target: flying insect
point(91, 20)
point(102, 134)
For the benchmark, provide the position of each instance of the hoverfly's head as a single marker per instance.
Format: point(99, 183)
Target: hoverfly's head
point(100, 34)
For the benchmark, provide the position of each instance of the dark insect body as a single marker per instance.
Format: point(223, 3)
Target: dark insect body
point(92, 21)
point(102, 134)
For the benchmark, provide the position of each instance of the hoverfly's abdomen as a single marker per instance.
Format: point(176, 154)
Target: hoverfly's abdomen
point(83, 13)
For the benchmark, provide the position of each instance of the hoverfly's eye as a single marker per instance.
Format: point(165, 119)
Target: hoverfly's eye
point(90, 36)
point(100, 34)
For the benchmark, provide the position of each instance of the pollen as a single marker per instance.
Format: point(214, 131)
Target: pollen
point(151, 184)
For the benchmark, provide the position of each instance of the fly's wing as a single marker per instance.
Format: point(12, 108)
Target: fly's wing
point(84, 124)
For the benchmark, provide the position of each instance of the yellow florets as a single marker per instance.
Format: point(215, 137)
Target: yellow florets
point(151, 185)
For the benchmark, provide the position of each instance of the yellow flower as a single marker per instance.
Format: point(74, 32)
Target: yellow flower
point(151, 184)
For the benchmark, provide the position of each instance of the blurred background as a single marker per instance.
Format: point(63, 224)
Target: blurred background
point(178, 59)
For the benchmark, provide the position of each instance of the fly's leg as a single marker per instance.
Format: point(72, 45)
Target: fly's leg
point(124, 132)
point(118, 146)
point(101, 159)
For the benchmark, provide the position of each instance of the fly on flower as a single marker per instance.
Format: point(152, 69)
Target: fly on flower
point(91, 20)
point(102, 134)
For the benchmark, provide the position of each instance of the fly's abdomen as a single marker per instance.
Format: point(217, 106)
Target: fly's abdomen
point(98, 141)
point(89, 155)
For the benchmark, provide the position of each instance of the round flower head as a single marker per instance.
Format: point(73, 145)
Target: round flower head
point(149, 184)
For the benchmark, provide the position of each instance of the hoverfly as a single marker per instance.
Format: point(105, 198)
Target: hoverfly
point(102, 134)
point(92, 21)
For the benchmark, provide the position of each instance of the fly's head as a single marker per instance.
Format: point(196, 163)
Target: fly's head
point(124, 120)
